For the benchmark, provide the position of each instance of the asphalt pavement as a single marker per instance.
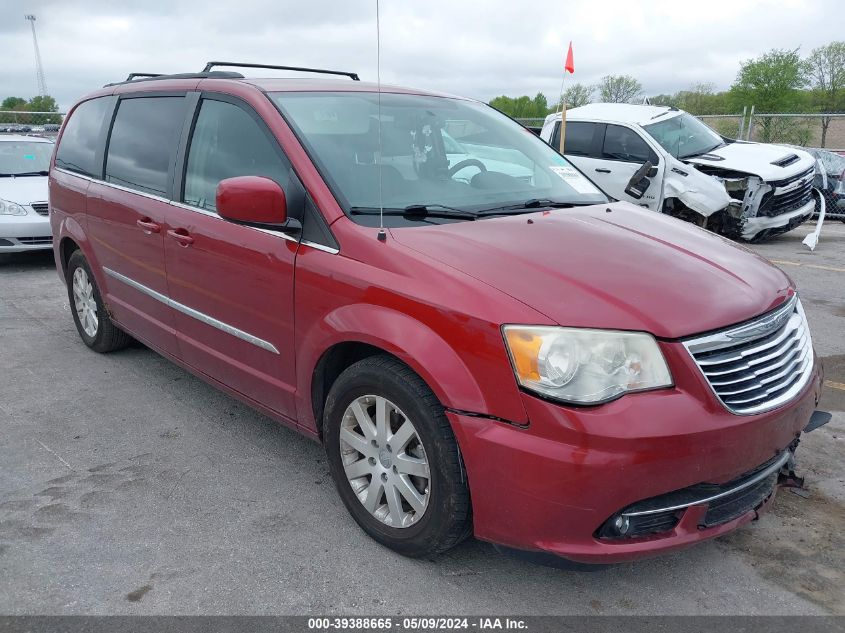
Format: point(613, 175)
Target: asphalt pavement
point(127, 486)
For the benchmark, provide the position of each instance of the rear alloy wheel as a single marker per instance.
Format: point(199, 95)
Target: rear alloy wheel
point(92, 320)
point(394, 458)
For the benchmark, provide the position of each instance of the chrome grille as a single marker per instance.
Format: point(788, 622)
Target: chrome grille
point(759, 365)
point(41, 208)
point(788, 195)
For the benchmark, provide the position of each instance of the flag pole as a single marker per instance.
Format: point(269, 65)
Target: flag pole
point(562, 113)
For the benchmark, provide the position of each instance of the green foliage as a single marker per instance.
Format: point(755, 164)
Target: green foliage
point(36, 104)
point(771, 83)
point(619, 88)
point(523, 107)
point(578, 95)
point(12, 103)
point(824, 73)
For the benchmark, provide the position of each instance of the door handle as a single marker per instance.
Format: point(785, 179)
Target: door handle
point(602, 170)
point(149, 226)
point(181, 236)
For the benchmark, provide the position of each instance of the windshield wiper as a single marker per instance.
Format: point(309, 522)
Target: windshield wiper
point(530, 205)
point(29, 173)
point(418, 210)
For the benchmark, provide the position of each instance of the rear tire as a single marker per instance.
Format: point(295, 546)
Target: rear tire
point(402, 478)
point(92, 320)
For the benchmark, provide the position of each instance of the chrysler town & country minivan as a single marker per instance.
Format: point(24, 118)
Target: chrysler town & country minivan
point(483, 342)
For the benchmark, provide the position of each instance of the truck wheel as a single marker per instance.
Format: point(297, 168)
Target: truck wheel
point(394, 458)
point(89, 312)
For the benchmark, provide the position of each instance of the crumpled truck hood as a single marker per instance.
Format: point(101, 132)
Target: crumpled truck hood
point(756, 159)
point(611, 266)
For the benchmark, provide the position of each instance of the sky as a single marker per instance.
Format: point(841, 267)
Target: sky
point(474, 48)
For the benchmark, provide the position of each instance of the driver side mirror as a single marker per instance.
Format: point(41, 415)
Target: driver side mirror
point(254, 201)
point(639, 182)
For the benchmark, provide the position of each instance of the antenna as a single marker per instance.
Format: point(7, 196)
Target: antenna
point(382, 235)
point(39, 69)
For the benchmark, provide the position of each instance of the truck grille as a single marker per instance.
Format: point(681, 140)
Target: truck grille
point(41, 208)
point(759, 365)
point(788, 195)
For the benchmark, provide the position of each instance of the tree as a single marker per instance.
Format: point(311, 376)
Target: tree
point(578, 95)
point(824, 73)
point(43, 104)
point(12, 103)
point(523, 107)
point(619, 88)
point(770, 83)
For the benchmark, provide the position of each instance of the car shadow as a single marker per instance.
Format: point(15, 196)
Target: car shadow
point(30, 260)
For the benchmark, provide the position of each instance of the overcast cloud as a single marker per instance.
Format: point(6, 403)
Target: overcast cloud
point(479, 49)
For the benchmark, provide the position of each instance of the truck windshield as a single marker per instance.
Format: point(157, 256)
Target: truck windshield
point(24, 158)
point(428, 152)
point(684, 136)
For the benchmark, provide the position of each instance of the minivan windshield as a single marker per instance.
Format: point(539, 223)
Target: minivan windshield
point(684, 136)
point(451, 157)
point(24, 158)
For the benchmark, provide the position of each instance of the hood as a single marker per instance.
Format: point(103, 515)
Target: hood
point(757, 159)
point(24, 190)
point(610, 266)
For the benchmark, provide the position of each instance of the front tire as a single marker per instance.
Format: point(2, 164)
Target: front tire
point(92, 320)
point(394, 458)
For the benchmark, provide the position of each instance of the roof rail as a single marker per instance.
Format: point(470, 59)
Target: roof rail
point(352, 76)
point(139, 77)
point(133, 75)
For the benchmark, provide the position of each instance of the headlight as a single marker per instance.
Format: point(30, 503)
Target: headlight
point(11, 208)
point(585, 366)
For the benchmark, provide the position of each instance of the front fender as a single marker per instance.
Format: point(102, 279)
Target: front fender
point(412, 341)
point(698, 191)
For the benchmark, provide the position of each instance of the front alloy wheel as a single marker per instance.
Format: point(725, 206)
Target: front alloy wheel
point(384, 461)
point(394, 458)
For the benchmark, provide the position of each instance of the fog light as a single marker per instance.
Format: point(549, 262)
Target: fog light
point(622, 523)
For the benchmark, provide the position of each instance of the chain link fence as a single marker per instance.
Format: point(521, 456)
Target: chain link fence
point(21, 122)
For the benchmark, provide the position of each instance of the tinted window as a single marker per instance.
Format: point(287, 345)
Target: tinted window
point(227, 142)
point(143, 142)
point(621, 143)
point(78, 148)
point(579, 138)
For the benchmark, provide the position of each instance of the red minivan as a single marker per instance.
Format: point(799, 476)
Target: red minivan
point(483, 342)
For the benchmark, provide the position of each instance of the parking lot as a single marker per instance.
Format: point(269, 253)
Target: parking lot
point(127, 486)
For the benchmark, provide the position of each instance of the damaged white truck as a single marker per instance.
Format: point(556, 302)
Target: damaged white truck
point(667, 160)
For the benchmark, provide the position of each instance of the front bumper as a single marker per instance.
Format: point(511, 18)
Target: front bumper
point(20, 233)
point(755, 225)
point(552, 486)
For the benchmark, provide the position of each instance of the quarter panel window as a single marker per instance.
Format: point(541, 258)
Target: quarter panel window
point(621, 143)
point(227, 142)
point(77, 150)
point(143, 142)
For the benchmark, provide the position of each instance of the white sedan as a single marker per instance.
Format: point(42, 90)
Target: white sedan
point(24, 212)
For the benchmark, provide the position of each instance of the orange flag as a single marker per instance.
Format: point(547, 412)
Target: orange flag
point(570, 62)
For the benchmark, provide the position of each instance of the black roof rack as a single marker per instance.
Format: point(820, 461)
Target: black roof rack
point(352, 76)
point(133, 75)
point(139, 77)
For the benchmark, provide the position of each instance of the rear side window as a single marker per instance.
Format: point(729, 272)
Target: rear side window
point(78, 147)
point(579, 138)
point(143, 142)
point(227, 142)
point(621, 143)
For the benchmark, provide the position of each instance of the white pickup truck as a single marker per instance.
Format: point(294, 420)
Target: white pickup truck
point(739, 189)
